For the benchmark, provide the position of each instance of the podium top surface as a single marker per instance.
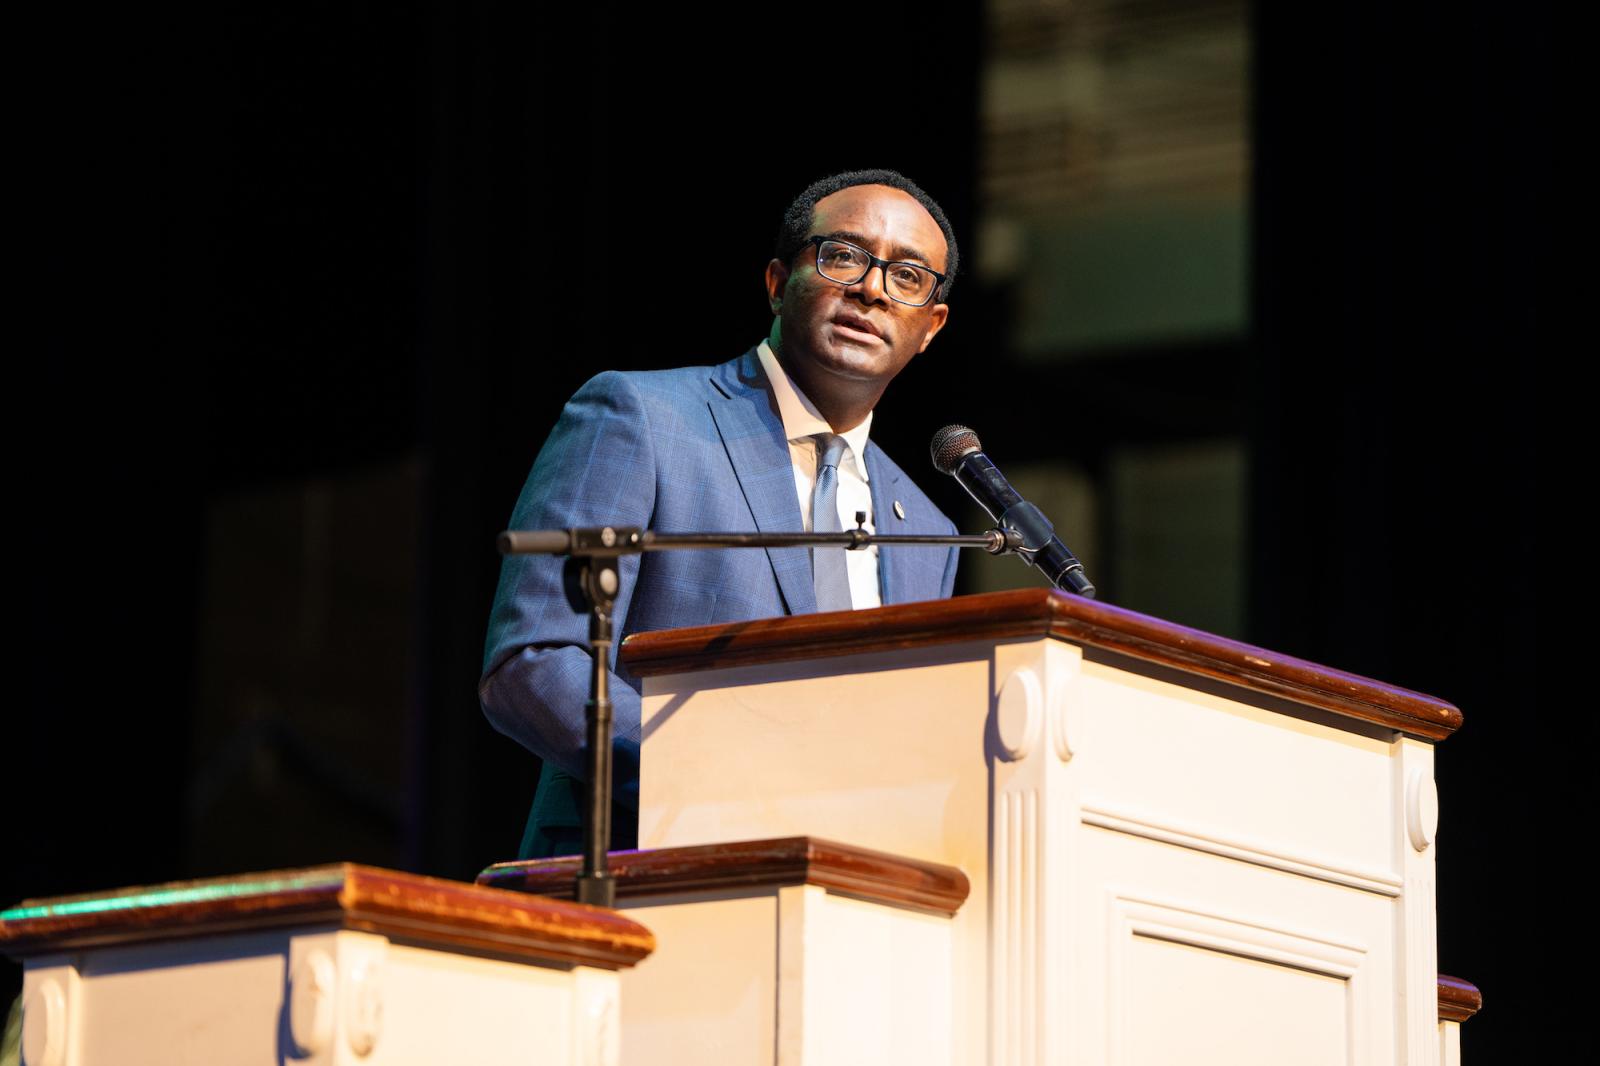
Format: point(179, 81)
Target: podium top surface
point(402, 906)
point(731, 866)
point(1040, 613)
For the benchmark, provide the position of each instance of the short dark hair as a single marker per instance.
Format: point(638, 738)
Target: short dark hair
point(796, 226)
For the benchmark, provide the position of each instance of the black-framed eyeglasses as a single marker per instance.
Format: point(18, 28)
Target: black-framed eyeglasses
point(845, 263)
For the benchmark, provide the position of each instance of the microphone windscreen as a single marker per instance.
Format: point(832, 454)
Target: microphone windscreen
point(950, 444)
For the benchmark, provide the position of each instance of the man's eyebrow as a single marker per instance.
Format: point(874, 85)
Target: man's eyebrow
point(898, 254)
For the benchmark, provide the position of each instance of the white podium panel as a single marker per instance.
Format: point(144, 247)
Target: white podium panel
point(234, 1001)
point(1132, 829)
point(793, 975)
point(797, 951)
point(329, 966)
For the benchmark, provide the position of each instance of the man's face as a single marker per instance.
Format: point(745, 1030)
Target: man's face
point(856, 332)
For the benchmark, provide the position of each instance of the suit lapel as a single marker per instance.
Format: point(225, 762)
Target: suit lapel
point(894, 577)
point(752, 432)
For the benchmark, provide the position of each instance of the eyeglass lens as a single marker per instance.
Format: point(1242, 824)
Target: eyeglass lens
point(847, 264)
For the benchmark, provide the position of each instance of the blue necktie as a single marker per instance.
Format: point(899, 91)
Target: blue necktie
point(829, 571)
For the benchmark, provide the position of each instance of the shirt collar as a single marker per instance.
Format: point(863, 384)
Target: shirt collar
point(800, 416)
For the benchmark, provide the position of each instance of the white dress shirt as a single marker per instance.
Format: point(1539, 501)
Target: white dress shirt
point(801, 423)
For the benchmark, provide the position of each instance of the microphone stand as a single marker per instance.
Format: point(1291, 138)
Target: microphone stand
point(597, 552)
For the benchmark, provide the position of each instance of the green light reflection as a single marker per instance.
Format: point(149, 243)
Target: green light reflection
point(171, 895)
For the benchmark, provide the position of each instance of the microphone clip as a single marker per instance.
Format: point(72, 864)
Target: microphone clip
point(1005, 541)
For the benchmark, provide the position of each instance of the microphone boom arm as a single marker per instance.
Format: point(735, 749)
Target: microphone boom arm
point(596, 552)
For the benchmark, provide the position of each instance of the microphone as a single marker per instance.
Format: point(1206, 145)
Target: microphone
point(957, 452)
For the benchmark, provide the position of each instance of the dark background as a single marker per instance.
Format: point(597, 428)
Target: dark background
point(304, 289)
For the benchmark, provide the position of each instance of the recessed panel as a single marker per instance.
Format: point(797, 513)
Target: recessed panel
point(709, 992)
point(1187, 1004)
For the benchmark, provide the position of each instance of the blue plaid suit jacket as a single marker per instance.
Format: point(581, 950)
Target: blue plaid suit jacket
point(697, 449)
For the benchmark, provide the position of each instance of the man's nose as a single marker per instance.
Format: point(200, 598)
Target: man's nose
point(870, 287)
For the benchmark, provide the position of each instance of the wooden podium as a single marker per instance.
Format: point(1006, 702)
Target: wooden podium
point(1014, 829)
point(1180, 848)
point(331, 965)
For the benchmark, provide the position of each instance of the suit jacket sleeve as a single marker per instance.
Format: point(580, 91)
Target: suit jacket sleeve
point(597, 468)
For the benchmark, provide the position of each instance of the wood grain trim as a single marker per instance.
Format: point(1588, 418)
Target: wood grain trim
point(405, 906)
point(859, 872)
point(1458, 999)
point(1040, 613)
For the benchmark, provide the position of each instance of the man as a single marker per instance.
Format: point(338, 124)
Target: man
point(774, 441)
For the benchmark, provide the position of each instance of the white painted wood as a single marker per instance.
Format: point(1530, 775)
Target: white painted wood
point(51, 994)
point(1032, 859)
point(1277, 855)
point(1450, 1043)
point(1417, 958)
point(709, 992)
point(793, 975)
point(795, 962)
point(596, 1017)
point(790, 750)
point(1315, 786)
point(1422, 808)
point(1183, 1006)
point(1078, 791)
point(229, 1001)
point(1258, 989)
point(313, 990)
point(1019, 713)
point(872, 971)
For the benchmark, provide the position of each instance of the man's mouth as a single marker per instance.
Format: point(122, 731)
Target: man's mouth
point(857, 324)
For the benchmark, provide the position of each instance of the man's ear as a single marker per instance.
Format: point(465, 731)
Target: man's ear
point(777, 278)
point(938, 313)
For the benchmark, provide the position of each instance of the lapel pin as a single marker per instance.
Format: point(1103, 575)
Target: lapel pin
point(899, 511)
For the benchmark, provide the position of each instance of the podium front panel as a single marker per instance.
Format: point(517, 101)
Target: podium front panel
point(1158, 860)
